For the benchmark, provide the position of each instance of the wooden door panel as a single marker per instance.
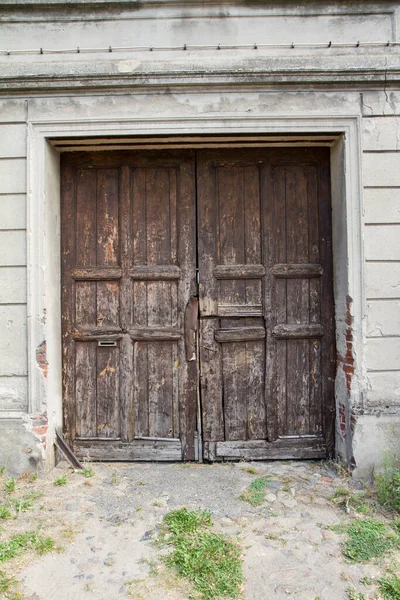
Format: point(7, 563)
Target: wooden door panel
point(265, 251)
point(128, 272)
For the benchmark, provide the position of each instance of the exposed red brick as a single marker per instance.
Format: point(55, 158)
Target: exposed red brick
point(41, 358)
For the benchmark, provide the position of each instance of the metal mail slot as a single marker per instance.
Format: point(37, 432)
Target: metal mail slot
point(106, 343)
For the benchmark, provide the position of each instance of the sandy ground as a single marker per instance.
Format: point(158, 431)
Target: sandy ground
point(105, 527)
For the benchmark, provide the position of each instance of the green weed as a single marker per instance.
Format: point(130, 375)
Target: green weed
point(251, 470)
point(61, 480)
point(389, 587)
point(26, 502)
point(2, 470)
point(255, 493)
point(352, 595)
point(10, 485)
point(4, 512)
point(88, 472)
point(368, 539)
point(22, 542)
point(347, 500)
point(388, 484)
point(210, 561)
point(34, 476)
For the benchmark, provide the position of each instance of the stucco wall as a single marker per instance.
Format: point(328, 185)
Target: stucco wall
point(121, 85)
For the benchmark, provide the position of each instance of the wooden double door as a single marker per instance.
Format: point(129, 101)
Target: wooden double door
point(197, 307)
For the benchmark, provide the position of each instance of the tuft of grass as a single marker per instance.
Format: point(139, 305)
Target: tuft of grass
point(348, 500)
point(22, 542)
point(10, 485)
point(255, 493)
point(389, 587)
point(61, 480)
point(34, 476)
point(17, 505)
point(352, 595)
point(388, 484)
point(2, 470)
point(4, 512)
point(210, 561)
point(251, 470)
point(88, 472)
point(368, 539)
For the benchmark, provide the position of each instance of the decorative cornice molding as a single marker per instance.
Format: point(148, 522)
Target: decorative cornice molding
point(132, 73)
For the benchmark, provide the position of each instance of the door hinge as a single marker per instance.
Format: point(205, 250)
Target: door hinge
point(198, 276)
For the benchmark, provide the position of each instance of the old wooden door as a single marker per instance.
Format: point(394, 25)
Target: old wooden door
point(266, 306)
point(128, 272)
point(266, 328)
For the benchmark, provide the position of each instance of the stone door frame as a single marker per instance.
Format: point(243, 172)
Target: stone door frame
point(43, 233)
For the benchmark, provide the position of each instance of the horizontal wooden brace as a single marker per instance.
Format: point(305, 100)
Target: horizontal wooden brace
point(97, 334)
point(156, 334)
point(155, 273)
point(288, 271)
point(240, 310)
point(293, 331)
point(139, 449)
point(239, 271)
point(281, 449)
point(96, 273)
point(239, 334)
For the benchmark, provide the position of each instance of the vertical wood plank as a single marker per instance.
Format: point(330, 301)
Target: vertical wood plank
point(315, 391)
point(234, 390)
point(85, 222)
point(85, 389)
point(159, 372)
point(126, 376)
point(107, 217)
point(255, 393)
point(298, 373)
point(140, 389)
point(231, 229)
point(186, 240)
point(108, 413)
point(327, 307)
point(252, 230)
point(211, 382)
point(108, 304)
point(207, 235)
point(68, 218)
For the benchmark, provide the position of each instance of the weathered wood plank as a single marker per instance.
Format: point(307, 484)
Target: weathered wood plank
point(96, 333)
point(85, 224)
point(281, 449)
point(96, 273)
point(137, 450)
point(328, 350)
point(107, 217)
point(155, 273)
point(293, 331)
point(211, 381)
point(108, 397)
point(153, 334)
point(125, 310)
point(68, 208)
point(239, 334)
point(297, 308)
point(234, 377)
point(315, 357)
point(239, 271)
point(160, 389)
point(287, 271)
point(85, 389)
point(239, 310)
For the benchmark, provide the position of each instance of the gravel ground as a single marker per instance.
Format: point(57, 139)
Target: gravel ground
point(104, 527)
